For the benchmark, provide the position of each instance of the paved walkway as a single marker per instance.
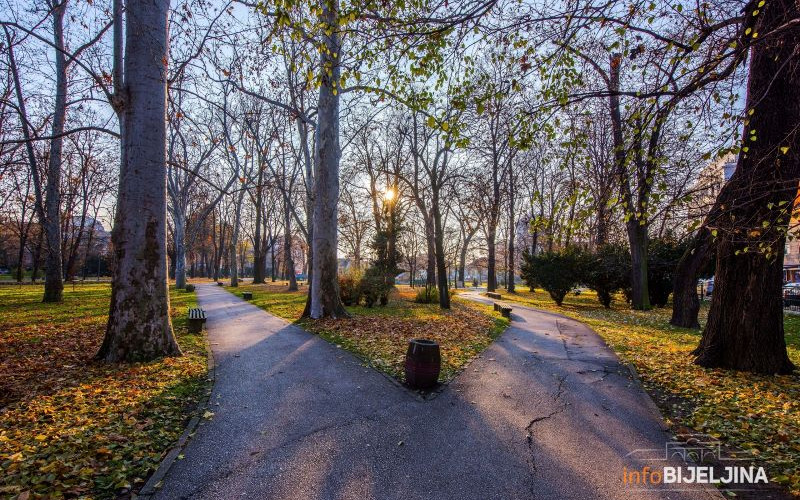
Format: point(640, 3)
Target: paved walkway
point(546, 412)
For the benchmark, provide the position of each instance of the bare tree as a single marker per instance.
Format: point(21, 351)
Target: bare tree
point(139, 325)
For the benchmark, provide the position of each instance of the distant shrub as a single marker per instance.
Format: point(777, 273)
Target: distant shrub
point(350, 287)
point(608, 270)
point(427, 295)
point(375, 287)
point(556, 272)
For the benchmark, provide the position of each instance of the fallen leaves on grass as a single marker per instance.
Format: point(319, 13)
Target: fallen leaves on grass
point(381, 334)
point(73, 427)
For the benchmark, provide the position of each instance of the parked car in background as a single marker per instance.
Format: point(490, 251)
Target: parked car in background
point(709, 287)
point(705, 287)
point(791, 295)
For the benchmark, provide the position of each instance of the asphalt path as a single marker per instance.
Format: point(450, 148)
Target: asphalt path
point(546, 412)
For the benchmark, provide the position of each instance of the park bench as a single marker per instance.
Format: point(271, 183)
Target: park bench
point(197, 318)
point(505, 309)
point(247, 295)
point(494, 295)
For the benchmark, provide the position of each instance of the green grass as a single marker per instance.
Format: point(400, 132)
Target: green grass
point(74, 427)
point(380, 335)
point(275, 299)
point(12, 276)
point(755, 414)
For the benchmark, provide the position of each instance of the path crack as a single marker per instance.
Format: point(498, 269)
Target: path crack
point(563, 340)
point(529, 428)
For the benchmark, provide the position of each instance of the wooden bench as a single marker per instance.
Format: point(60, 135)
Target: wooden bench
point(247, 295)
point(197, 318)
point(505, 309)
point(494, 295)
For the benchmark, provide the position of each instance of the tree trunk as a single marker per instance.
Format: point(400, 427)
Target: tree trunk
point(745, 323)
point(54, 282)
point(601, 236)
point(637, 237)
point(685, 303)
point(637, 232)
point(272, 262)
point(462, 259)
point(37, 258)
point(287, 249)
point(139, 326)
point(441, 265)
point(430, 240)
point(258, 244)
point(179, 232)
point(21, 257)
point(324, 292)
point(491, 266)
point(89, 241)
point(233, 261)
point(510, 285)
point(219, 249)
point(72, 255)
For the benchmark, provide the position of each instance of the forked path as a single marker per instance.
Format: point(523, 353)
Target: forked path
point(546, 412)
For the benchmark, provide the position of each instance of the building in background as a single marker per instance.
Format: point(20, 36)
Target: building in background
point(709, 184)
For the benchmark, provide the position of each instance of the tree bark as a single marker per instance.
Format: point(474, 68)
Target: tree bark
point(638, 240)
point(430, 243)
point(324, 291)
point(745, 323)
point(491, 265)
point(179, 232)
point(54, 281)
point(139, 326)
point(462, 258)
point(512, 233)
point(637, 232)
point(685, 303)
point(287, 249)
point(259, 255)
point(441, 265)
point(23, 237)
point(233, 260)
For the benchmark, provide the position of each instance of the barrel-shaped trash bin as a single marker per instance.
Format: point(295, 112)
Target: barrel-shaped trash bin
point(423, 363)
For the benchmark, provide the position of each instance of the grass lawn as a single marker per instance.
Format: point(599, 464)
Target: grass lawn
point(380, 335)
point(757, 415)
point(70, 426)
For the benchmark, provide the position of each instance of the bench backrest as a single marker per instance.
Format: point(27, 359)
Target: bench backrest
point(196, 313)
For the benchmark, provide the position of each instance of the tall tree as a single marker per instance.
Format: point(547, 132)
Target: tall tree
point(48, 201)
point(139, 326)
point(324, 292)
point(752, 213)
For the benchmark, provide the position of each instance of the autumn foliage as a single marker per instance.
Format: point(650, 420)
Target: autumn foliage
point(70, 426)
